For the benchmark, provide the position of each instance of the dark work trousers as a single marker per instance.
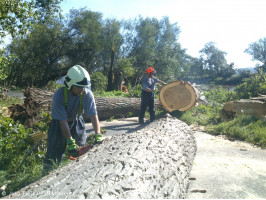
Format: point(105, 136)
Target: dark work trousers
point(147, 100)
point(56, 144)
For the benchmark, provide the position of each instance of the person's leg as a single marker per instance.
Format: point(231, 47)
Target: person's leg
point(78, 131)
point(56, 145)
point(143, 107)
point(152, 108)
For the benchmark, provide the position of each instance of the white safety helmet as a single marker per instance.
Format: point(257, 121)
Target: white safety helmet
point(78, 76)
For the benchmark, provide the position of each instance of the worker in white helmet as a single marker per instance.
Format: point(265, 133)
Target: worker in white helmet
point(67, 129)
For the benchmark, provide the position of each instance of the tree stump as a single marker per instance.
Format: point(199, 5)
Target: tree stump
point(153, 162)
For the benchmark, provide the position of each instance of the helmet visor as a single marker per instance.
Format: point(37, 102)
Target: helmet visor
point(83, 83)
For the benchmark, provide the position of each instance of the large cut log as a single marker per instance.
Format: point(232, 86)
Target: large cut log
point(178, 95)
point(37, 99)
point(151, 163)
point(243, 106)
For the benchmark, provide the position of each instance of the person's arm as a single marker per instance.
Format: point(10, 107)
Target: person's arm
point(72, 148)
point(161, 82)
point(95, 123)
point(65, 128)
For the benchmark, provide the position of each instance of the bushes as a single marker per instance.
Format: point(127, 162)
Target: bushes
point(17, 170)
point(252, 87)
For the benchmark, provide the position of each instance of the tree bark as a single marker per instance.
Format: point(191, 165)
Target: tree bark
point(111, 72)
point(152, 163)
point(37, 100)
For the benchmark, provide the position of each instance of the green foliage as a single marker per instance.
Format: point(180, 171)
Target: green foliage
point(14, 15)
point(3, 64)
point(253, 86)
point(245, 127)
point(19, 16)
point(15, 141)
point(214, 62)
point(257, 51)
point(98, 82)
point(219, 95)
point(135, 92)
point(51, 85)
point(110, 119)
point(42, 125)
point(8, 101)
point(203, 115)
point(21, 160)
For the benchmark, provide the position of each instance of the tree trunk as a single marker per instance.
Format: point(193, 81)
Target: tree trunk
point(111, 72)
point(37, 99)
point(152, 163)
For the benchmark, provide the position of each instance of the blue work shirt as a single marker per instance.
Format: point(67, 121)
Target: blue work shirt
point(59, 111)
point(148, 82)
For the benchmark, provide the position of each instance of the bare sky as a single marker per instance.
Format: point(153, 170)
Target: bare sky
point(231, 24)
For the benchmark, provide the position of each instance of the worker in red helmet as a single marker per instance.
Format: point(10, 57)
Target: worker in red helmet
point(147, 94)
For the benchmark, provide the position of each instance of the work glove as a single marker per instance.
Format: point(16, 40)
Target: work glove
point(98, 138)
point(72, 148)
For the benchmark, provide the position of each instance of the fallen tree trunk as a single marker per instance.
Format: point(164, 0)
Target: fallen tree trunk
point(37, 100)
point(243, 106)
point(151, 163)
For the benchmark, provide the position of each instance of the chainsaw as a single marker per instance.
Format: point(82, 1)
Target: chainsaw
point(82, 151)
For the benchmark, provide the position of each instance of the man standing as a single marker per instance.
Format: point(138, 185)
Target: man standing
point(147, 94)
point(67, 129)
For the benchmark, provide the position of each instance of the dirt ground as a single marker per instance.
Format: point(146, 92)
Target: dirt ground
point(222, 169)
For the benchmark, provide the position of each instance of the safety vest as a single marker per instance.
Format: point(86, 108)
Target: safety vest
point(80, 101)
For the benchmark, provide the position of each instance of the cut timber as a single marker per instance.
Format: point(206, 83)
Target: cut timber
point(244, 106)
point(178, 95)
point(152, 163)
point(37, 100)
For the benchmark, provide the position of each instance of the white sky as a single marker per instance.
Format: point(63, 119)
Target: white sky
point(231, 24)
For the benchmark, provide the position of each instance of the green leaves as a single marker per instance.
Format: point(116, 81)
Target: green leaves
point(258, 51)
point(253, 86)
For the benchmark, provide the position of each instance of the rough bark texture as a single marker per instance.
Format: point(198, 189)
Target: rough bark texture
point(153, 162)
point(37, 99)
point(244, 106)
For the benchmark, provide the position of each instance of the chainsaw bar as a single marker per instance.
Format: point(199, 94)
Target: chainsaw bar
point(82, 151)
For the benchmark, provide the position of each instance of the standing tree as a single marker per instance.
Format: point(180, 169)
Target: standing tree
point(111, 43)
point(258, 52)
point(84, 28)
point(18, 16)
point(38, 55)
point(214, 62)
point(154, 43)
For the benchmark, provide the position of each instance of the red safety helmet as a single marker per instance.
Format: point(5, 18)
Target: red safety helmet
point(150, 70)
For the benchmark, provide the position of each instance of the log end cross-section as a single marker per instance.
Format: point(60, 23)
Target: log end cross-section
point(153, 162)
point(178, 95)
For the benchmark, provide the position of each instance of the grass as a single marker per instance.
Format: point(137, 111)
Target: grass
point(8, 101)
point(245, 128)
